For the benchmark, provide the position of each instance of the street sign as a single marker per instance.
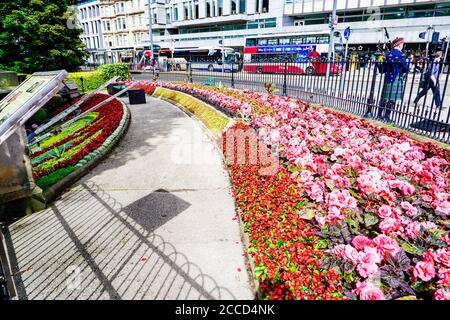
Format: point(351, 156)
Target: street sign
point(435, 38)
point(347, 33)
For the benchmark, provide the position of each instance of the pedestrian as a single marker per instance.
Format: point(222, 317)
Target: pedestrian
point(395, 66)
point(431, 81)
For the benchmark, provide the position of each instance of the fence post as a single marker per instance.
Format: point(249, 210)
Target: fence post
point(7, 289)
point(190, 72)
point(285, 78)
point(82, 84)
point(371, 100)
point(232, 74)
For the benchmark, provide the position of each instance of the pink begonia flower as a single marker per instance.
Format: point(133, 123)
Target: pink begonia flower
point(367, 262)
point(339, 250)
point(275, 136)
point(306, 176)
point(351, 253)
point(366, 270)
point(384, 211)
point(441, 294)
point(405, 187)
point(370, 256)
point(367, 291)
point(412, 229)
point(389, 225)
point(444, 277)
point(442, 256)
point(360, 242)
point(424, 270)
point(341, 199)
point(446, 238)
point(246, 109)
point(314, 191)
point(321, 221)
point(334, 215)
point(442, 207)
point(410, 210)
point(386, 245)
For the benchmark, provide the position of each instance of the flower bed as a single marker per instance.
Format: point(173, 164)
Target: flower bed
point(210, 118)
point(379, 201)
point(61, 153)
point(284, 248)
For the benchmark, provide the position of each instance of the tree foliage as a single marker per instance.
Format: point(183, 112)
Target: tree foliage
point(39, 35)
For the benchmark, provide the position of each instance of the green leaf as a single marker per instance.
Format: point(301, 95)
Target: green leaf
point(407, 298)
point(354, 193)
point(321, 244)
point(370, 219)
point(411, 249)
point(252, 250)
point(280, 243)
point(325, 148)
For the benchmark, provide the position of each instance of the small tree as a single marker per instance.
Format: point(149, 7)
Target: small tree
point(39, 35)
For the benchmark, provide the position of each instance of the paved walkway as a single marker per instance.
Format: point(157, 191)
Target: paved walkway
point(153, 221)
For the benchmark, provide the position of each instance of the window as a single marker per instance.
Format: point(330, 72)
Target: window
point(233, 7)
point(186, 11)
point(208, 9)
point(242, 6)
point(196, 10)
point(265, 6)
point(220, 5)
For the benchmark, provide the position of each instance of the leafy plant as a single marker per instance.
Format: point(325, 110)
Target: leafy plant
point(109, 71)
point(270, 88)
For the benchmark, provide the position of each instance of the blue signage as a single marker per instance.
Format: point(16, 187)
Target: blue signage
point(287, 49)
point(347, 33)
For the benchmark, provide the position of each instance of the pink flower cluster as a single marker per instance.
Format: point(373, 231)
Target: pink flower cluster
point(345, 166)
point(367, 254)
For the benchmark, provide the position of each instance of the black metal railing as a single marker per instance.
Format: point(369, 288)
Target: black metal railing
point(383, 89)
point(4, 290)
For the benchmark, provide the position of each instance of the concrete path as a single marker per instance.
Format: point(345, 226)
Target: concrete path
point(153, 221)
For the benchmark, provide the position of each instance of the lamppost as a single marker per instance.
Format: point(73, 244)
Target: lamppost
point(150, 21)
point(331, 45)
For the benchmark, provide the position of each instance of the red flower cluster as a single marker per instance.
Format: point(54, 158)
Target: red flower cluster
point(283, 244)
point(148, 87)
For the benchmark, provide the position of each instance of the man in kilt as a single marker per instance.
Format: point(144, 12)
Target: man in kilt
point(395, 66)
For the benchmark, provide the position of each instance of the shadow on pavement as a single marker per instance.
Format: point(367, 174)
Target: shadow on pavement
point(108, 252)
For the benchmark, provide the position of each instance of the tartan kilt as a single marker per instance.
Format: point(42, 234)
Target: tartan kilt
point(394, 91)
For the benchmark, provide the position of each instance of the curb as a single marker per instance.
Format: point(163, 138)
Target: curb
point(254, 283)
point(91, 160)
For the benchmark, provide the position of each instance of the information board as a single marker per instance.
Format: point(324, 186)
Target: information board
point(26, 99)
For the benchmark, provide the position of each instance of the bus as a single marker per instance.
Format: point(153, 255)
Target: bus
point(138, 55)
point(165, 57)
point(201, 58)
point(305, 54)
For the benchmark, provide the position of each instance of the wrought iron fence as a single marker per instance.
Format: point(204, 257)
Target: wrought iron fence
point(398, 92)
point(4, 288)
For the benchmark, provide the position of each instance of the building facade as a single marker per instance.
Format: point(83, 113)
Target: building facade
point(189, 23)
point(89, 19)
